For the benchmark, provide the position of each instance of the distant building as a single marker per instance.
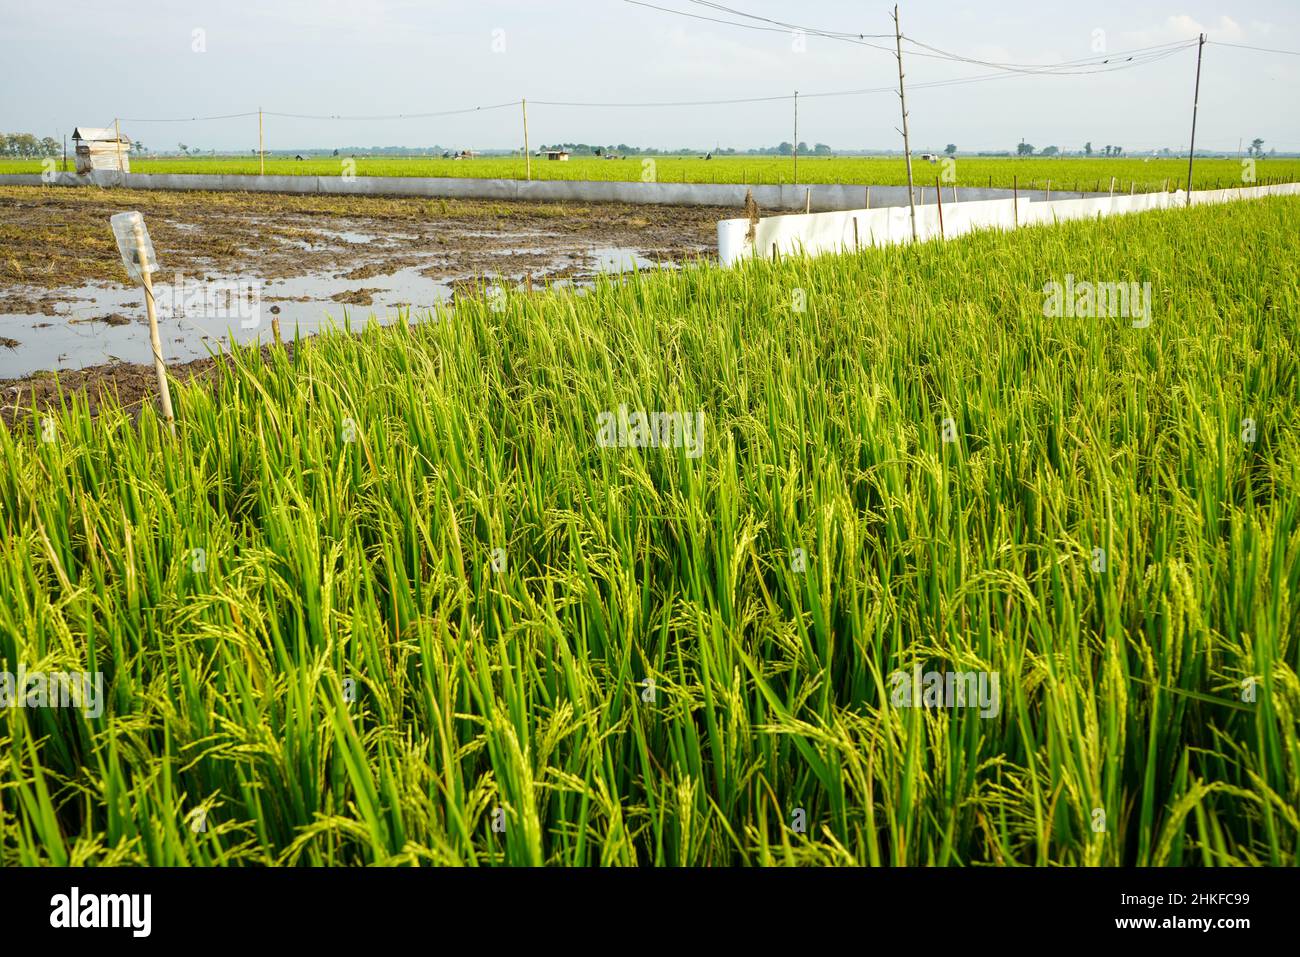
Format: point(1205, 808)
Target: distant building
point(561, 155)
point(101, 149)
point(930, 157)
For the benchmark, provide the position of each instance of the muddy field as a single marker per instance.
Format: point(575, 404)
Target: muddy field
point(231, 262)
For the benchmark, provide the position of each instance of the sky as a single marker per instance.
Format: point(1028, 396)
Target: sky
point(83, 63)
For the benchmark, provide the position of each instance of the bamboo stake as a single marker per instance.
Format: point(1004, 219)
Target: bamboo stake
point(902, 103)
point(261, 146)
point(938, 198)
point(1196, 102)
point(160, 367)
point(528, 159)
point(117, 143)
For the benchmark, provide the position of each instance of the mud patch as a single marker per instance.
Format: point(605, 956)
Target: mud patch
point(66, 302)
point(355, 297)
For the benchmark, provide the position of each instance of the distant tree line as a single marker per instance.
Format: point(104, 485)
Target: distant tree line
point(27, 145)
point(1256, 149)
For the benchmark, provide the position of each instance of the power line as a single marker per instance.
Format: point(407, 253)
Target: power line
point(747, 99)
point(1135, 57)
point(781, 28)
point(187, 119)
point(1243, 46)
point(1089, 65)
point(395, 116)
point(649, 104)
point(867, 91)
point(835, 34)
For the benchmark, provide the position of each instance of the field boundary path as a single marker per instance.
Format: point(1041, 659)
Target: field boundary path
point(814, 197)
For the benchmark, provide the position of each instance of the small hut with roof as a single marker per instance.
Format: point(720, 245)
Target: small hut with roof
point(101, 149)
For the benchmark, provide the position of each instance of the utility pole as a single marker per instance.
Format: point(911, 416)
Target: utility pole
point(261, 148)
point(795, 179)
point(902, 99)
point(1196, 100)
point(528, 159)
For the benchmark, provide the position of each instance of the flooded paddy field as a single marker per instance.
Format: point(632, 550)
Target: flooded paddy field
point(231, 264)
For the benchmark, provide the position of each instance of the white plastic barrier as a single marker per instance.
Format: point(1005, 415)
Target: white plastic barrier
point(962, 218)
point(853, 229)
point(815, 233)
point(808, 232)
point(1059, 210)
point(1141, 202)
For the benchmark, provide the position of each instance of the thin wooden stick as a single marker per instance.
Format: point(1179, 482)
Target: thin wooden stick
point(528, 158)
point(938, 198)
point(160, 367)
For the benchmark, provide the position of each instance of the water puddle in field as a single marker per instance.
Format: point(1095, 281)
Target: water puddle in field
point(615, 259)
point(102, 323)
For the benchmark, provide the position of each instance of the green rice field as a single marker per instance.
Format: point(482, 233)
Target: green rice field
point(1065, 174)
point(399, 596)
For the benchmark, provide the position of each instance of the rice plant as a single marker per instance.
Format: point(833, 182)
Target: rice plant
point(396, 597)
point(1061, 175)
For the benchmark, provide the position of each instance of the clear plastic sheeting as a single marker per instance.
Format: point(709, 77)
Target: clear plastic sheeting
point(133, 243)
point(815, 233)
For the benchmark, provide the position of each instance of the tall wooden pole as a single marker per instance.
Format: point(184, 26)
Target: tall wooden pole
point(1196, 100)
point(528, 157)
point(261, 148)
point(795, 179)
point(117, 143)
point(160, 367)
point(902, 99)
